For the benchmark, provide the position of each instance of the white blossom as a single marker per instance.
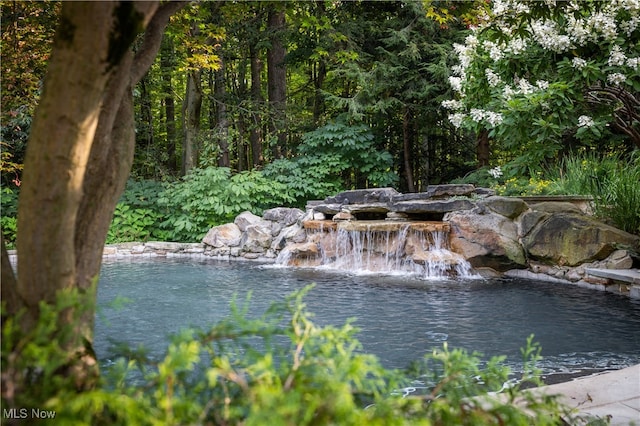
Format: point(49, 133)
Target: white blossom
point(476, 114)
point(616, 78)
point(578, 30)
point(471, 41)
point(494, 118)
point(605, 24)
point(508, 92)
point(516, 46)
point(633, 63)
point(542, 84)
point(452, 104)
point(578, 63)
point(456, 83)
point(496, 172)
point(585, 121)
point(630, 26)
point(493, 78)
point(616, 57)
point(546, 34)
point(496, 52)
point(525, 87)
point(457, 119)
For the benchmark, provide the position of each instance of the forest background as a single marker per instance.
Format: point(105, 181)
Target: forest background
point(251, 105)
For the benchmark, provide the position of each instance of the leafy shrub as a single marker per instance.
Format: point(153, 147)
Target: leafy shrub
point(333, 158)
point(133, 224)
point(213, 196)
point(279, 368)
point(137, 216)
point(507, 186)
point(613, 182)
point(9, 220)
point(9, 230)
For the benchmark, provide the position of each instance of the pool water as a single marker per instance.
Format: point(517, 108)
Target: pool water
point(400, 318)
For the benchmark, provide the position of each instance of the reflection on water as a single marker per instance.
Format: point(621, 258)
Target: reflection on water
point(400, 318)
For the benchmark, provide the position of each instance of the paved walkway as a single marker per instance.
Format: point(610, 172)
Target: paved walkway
point(614, 393)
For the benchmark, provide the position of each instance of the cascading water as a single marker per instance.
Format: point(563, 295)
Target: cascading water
point(416, 248)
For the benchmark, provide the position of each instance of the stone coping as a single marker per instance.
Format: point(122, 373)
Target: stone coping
point(605, 284)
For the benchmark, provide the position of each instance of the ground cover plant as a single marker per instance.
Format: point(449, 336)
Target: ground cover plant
point(277, 367)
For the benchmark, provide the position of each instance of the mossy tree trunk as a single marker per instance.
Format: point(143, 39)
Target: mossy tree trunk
point(78, 159)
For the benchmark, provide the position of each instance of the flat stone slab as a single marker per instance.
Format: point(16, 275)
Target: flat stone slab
point(435, 206)
point(615, 394)
point(375, 225)
point(631, 276)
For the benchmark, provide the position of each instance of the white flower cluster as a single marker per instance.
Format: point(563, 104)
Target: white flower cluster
point(493, 78)
point(477, 115)
point(617, 57)
point(496, 172)
point(546, 34)
point(585, 121)
point(578, 63)
point(584, 25)
point(616, 78)
point(457, 119)
point(493, 118)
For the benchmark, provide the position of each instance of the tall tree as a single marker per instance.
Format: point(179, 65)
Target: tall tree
point(167, 62)
point(220, 97)
point(191, 111)
point(78, 158)
point(277, 75)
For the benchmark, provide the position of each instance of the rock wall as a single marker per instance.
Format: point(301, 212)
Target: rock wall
point(555, 239)
point(497, 235)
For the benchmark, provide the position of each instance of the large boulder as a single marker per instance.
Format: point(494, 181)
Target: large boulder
point(246, 219)
point(227, 235)
point(256, 239)
point(283, 215)
point(505, 206)
point(486, 239)
point(571, 239)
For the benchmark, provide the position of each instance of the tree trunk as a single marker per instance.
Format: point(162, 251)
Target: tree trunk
point(220, 95)
point(166, 66)
point(482, 149)
point(78, 158)
point(255, 137)
point(146, 133)
point(407, 148)
point(191, 120)
point(277, 77)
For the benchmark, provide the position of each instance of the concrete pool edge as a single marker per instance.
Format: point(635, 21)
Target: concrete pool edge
point(613, 395)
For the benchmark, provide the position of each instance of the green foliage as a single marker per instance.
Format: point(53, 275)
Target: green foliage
point(333, 158)
point(214, 196)
point(132, 224)
point(508, 186)
point(279, 368)
point(613, 182)
point(9, 220)
point(33, 362)
point(137, 216)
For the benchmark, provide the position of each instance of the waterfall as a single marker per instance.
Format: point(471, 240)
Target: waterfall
point(416, 248)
